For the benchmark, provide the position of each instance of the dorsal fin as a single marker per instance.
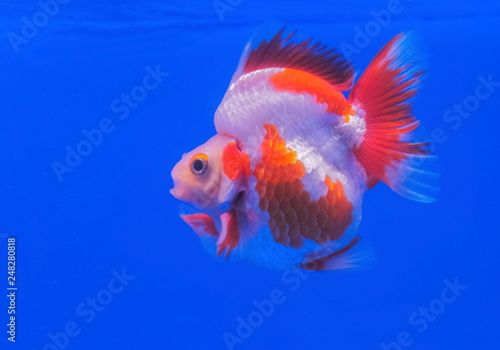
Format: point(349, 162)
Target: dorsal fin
point(307, 55)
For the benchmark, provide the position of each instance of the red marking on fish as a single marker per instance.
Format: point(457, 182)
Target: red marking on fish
point(235, 162)
point(303, 82)
point(293, 215)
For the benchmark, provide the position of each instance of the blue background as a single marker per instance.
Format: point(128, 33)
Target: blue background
point(114, 212)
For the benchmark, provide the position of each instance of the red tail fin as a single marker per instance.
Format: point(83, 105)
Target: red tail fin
point(389, 151)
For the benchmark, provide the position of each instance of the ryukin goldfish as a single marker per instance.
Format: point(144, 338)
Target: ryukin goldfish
point(281, 183)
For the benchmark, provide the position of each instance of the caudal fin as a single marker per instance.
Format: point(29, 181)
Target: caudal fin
point(390, 151)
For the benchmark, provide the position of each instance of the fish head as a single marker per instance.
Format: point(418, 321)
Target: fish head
point(200, 177)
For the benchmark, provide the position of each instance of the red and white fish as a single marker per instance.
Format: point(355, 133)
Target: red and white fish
point(281, 183)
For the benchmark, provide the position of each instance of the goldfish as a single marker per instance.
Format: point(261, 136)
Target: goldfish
point(281, 183)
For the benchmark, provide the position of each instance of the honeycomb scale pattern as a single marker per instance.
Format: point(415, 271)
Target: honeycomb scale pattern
point(293, 215)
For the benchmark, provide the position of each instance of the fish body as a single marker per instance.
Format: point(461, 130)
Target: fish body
point(281, 184)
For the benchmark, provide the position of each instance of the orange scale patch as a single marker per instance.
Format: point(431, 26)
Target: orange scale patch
point(293, 215)
point(302, 82)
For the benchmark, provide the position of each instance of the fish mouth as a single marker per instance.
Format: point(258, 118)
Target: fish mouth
point(174, 192)
point(178, 192)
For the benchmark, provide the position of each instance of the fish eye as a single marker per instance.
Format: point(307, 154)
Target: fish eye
point(199, 164)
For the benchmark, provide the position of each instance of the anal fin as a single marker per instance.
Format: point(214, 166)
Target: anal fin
point(344, 258)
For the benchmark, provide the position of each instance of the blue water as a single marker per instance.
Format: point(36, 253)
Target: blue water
point(104, 261)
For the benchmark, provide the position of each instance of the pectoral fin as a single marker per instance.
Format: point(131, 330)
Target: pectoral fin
point(202, 224)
